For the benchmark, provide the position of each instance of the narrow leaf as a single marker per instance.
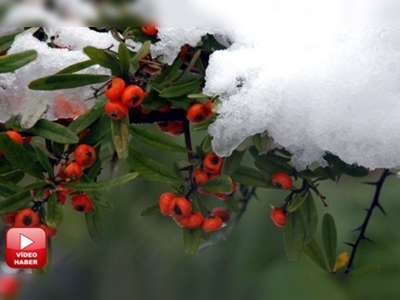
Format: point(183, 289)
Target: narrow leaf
point(151, 210)
point(44, 161)
point(120, 135)
point(95, 186)
point(66, 81)
point(15, 202)
point(94, 223)
point(76, 67)
point(143, 51)
point(313, 252)
point(55, 212)
point(221, 184)
point(310, 217)
point(155, 140)
point(252, 177)
point(103, 58)
point(329, 238)
point(150, 169)
point(12, 62)
point(124, 58)
point(180, 89)
point(191, 240)
point(294, 235)
point(87, 119)
point(297, 201)
point(368, 269)
point(232, 162)
point(54, 132)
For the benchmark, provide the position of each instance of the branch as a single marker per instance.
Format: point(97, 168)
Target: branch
point(375, 204)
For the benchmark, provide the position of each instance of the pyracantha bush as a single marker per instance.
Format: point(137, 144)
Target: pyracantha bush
point(66, 156)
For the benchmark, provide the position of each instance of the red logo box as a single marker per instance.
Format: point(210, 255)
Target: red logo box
point(26, 248)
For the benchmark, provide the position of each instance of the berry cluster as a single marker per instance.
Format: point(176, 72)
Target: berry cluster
point(180, 209)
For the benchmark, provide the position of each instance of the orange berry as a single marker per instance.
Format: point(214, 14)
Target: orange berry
point(71, 172)
point(15, 136)
point(132, 96)
point(150, 30)
point(116, 110)
point(213, 163)
point(9, 219)
point(208, 106)
point(212, 223)
point(50, 232)
point(197, 113)
point(85, 155)
point(115, 89)
point(200, 176)
point(193, 221)
point(82, 203)
point(175, 128)
point(282, 180)
point(181, 208)
point(166, 203)
point(26, 218)
point(222, 213)
point(278, 216)
point(165, 108)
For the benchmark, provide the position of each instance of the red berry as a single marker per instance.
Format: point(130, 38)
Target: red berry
point(278, 216)
point(132, 96)
point(150, 30)
point(165, 108)
point(71, 172)
point(282, 180)
point(199, 176)
point(50, 232)
point(115, 89)
point(26, 218)
point(222, 213)
point(213, 163)
point(82, 203)
point(116, 110)
point(9, 219)
point(173, 128)
point(166, 203)
point(197, 113)
point(181, 208)
point(85, 155)
point(15, 136)
point(193, 221)
point(212, 223)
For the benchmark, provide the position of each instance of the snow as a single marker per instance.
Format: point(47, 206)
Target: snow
point(17, 99)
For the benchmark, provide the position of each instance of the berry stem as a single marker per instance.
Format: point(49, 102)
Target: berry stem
point(361, 236)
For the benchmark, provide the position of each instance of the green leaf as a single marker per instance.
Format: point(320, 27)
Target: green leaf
point(191, 64)
point(222, 184)
point(15, 202)
point(120, 135)
point(14, 177)
point(310, 217)
point(151, 210)
point(150, 169)
point(252, 177)
point(152, 101)
point(271, 163)
point(76, 67)
point(329, 238)
point(232, 162)
point(7, 187)
point(178, 89)
point(55, 212)
point(66, 81)
point(47, 267)
point(12, 62)
point(232, 204)
point(357, 171)
point(262, 142)
point(87, 119)
point(54, 132)
point(100, 200)
point(93, 171)
point(100, 129)
point(313, 252)
point(124, 58)
point(155, 140)
point(20, 157)
point(294, 235)
point(5, 167)
point(168, 74)
point(44, 161)
point(198, 96)
point(297, 201)
point(103, 58)
point(368, 269)
point(7, 40)
point(143, 52)
point(95, 186)
point(94, 223)
point(191, 240)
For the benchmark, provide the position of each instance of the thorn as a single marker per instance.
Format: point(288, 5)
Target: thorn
point(357, 229)
point(381, 209)
point(349, 244)
point(368, 240)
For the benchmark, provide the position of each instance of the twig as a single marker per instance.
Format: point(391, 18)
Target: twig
point(361, 236)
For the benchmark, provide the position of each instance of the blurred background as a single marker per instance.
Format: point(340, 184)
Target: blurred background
point(143, 257)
